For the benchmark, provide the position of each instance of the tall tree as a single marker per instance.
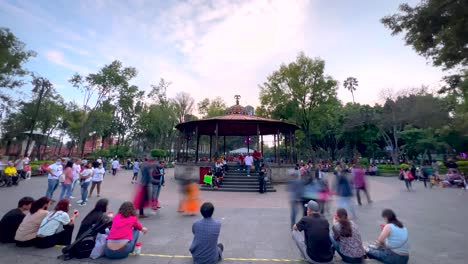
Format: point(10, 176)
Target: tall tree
point(13, 56)
point(183, 103)
point(350, 84)
point(104, 84)
point(300, 92)
point(212, 108)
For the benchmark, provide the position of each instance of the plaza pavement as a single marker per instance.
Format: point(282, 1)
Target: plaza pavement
point(255, 227)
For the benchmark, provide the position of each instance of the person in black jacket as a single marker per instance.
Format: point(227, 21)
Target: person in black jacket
point(96, 216)
point(11, 220)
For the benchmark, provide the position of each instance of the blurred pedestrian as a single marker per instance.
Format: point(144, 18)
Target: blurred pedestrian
point(296, 191)
point(136, 170)
point(344, 191)
point(360, 183)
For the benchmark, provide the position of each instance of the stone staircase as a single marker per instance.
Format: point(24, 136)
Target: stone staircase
point(237, 181)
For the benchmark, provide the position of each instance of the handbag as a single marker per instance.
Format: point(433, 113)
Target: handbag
point(61, 178)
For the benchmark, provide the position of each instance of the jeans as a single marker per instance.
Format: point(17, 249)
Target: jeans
point(155, 195)
point(248, 169)
point(386, 256)
point(66, 190)
point(261, 184)
point(84, 191)
point(74, 183)
point(300, 243)
point(345, 258)
point(347, 203)
point(52, 185)
point(408, 184)
point(62, 238)
point(257, 165)
point(294, 211)
point(123, 252)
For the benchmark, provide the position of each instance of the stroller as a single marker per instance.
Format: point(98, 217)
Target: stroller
point(84, 244)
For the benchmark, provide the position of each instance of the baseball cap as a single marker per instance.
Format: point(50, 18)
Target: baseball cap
point(99, 160)
point(313, 206)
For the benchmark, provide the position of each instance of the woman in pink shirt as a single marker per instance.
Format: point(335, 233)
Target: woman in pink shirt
point(68, 180)
point(124, 233)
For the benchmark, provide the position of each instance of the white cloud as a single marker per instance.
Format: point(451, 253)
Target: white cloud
point(72, 48)
point(58, 58)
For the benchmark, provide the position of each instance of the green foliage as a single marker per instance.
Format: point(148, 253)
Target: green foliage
point(364, 161)
point(463, 163)
point(113, 151)
point(158, 153)
point(212, 108)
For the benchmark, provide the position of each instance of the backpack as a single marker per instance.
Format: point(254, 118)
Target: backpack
point(83, 248)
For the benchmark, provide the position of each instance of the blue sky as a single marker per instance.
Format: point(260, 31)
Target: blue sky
point(217, 47)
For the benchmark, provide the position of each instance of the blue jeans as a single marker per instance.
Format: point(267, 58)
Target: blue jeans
point(123, 252)
point(294, 211)
point(248, 169)
point(74, 183)
point(156, 190)
point(66, 190)
point(52, 185)
point(386, 256)
point(347, 203)
point(84, 191)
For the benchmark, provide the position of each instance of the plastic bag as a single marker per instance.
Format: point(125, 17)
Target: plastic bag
point(98, 250)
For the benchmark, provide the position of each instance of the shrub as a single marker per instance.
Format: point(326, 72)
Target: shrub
point(462, 163)
point(364, 161)
point(158, 153)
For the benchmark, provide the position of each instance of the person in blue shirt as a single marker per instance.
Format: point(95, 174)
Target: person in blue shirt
point(205, 248)
point(136, 170)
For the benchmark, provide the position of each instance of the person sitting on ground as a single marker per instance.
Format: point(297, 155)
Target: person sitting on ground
point(392, 245)
point(57, 227)
point(11, 173)
point(27, 230)
point(124, 233)
point(315, 246)
point(11, 220)
point(346, 238)
point(205, 248)
point(96, 216)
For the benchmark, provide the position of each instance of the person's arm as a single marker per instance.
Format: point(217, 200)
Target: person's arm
point(384, 234)
point(137, 225)
point(299, 226)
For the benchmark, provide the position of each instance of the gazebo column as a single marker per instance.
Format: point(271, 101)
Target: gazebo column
point(291, 147)
point(211, 142)
point(286, 142)
point(261, 144)
point(258, 137)
point(224, 145)
point(248, 144)
point(216, 139)
point(186, 147)
point(279, 149)
point(198, 144)
point(274, 145)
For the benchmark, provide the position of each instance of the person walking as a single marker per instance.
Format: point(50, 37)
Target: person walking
point(19, 165)
point(205, 248)
point(392, 245)
point(346, 239)
point(98, 177)
point(315, 246)
point(408, 178)
point(261, 179)
point(344, 192)
point(157, 180)
point(76, 176)
point(115, 166)
point(360, 183)
point(67, 181)
point(143, 196)
point(136, 170)
point(248, 163)
point(296, 191)
point(53, 173)
point(85, 180)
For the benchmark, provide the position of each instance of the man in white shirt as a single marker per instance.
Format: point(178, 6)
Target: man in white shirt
point(54, 171)
point(248, 163)
point(115, 166)
point(19, 165)
point(76, 175)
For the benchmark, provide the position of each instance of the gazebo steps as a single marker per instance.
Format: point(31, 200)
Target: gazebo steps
point(237, 181)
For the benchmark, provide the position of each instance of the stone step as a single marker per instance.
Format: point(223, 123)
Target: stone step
point(231, 189)
point(242, 177)
point(240, 183)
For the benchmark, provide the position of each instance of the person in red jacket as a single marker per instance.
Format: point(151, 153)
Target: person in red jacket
point(257, 156)
point(240, 162)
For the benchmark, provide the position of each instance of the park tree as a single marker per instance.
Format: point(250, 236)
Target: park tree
point(300, 92)
point(97, 88)
point(212, 108)
point(183, 105)
point(350, 84)
point(13, 56)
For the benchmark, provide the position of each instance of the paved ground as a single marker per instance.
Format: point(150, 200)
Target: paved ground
point(256, 227)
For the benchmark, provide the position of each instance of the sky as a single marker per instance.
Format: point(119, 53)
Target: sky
point(212, 48)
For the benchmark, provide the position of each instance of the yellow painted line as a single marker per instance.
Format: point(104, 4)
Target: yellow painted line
point(228, 259)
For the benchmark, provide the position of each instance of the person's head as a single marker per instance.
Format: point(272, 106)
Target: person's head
point(161, 163)
point(41, 203)
point(248, 154)
point(88, 165)
point(25, 203)
point(207, 210)
point(101, 205)
point(69, 164)
point(11, 163)
point(95, 164)
point(78, 161)
point(63, 205)
point(312, 207)
point(345, 224)
point(58, 161)
point(136, 159)
point(127, 209)
point(390, 217)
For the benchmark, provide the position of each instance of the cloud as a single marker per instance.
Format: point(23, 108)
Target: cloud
point(72, 48)
point(58, 58)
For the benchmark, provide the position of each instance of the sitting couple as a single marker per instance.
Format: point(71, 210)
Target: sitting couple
point(318, 244)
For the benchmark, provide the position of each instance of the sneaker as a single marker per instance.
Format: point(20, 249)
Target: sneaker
point(82, 204)
point(72, 197)
point(248, 175)
point(79, 201)
point(221, 246)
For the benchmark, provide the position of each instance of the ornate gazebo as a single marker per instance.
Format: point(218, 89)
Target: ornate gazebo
point(237, 122)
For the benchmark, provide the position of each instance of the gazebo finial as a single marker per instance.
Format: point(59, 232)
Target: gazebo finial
point(237, 97)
